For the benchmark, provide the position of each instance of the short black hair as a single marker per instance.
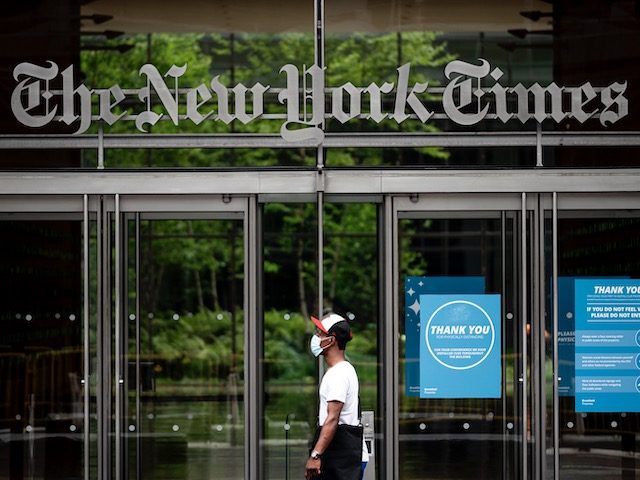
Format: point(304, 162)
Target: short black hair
point(342, 332)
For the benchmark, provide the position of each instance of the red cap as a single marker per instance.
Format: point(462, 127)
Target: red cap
point(327, 322)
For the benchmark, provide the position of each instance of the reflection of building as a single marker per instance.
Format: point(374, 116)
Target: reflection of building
point(178, 266)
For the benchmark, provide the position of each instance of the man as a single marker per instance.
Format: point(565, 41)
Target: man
point(336, 452)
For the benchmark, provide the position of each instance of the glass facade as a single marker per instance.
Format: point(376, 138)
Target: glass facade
point(183, 185)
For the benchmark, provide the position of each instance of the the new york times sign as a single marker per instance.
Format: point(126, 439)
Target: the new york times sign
point(464, 100)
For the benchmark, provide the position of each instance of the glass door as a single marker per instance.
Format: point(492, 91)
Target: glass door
point(180, 275)
point(47, 408)
point(464, 338)
point(594, 255)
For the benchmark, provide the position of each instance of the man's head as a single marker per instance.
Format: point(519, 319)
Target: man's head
point(334, 325)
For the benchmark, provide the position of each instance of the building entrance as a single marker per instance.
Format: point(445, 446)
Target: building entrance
point(179, 338)
point(135, 341)
point(128, 359)
point(464, 327)
point(532, 413)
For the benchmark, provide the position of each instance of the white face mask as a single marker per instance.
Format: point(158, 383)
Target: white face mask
point(314, 346)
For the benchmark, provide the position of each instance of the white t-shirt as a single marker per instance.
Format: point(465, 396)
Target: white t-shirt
point(340, 383)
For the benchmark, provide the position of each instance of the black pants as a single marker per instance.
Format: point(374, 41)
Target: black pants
point(342, 460)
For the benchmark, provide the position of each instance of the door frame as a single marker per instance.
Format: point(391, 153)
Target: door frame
point(575, 205)
point(109, 212)
point(34, 197)
point(472, 204)
point(115, 209)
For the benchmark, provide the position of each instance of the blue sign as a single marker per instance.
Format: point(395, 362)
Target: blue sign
point(566, 333)
point(566, 336)
point(607, 345)
point(460, 349)
point(413, 288)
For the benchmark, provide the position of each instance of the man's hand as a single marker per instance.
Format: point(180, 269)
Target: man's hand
point(312, 468)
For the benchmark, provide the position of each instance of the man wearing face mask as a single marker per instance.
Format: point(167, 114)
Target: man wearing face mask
point(336, 450)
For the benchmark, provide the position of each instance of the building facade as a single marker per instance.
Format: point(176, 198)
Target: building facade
point(183, 184)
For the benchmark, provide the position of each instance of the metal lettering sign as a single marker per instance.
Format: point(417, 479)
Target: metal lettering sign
point(464, 100)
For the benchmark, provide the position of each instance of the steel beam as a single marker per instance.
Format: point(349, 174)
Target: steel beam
point(303, 182)
point(531, 139)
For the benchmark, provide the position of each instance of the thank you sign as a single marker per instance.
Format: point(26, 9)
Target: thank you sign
point(607, 352)
point(461, 346)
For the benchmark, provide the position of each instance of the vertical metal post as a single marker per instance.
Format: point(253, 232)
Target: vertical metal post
point(544, 276)
point(252, 342)
point(138, 423)
point(539, 162)
point(320, 252)
point(87, 359)
point(102, 438)
point(538, 398)
point(100, 146)
point(319, 61)
point(256, 276)
point(320, 216)
point(118, 346)
point(524, 358)
point(556, 379)
point(390, 326)
point(503, 261)
point(124, 340)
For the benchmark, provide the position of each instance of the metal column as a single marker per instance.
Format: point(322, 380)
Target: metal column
point(138, 423)
point(86, 325)
point(103, 383)
point(538, 328)
point(524, 357)
point(390, 334)
point(319, 61)
point(118, 346)
point(556, 379)
point(252, 343)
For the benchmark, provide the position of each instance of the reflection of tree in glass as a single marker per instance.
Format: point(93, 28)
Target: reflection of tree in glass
point(250, 58)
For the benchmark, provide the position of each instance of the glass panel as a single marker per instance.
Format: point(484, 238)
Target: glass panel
point(41, 349)
point(591, 157)
point(26, 159)
point(434, 156)
point(478, 415)
point(184, 414)
point(212, 157)
point(370, 42)
point(289, 369)
point(351, 289)
point(526, 44)
point(104, 45)
point(598, 442)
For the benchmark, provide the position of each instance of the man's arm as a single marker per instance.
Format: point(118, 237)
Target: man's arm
point(327, 432)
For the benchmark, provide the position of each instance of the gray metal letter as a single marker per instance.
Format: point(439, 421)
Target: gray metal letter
point(464, 87)
point(257, 91)
point(500, 96)
point(192, 103)
point(170, 103)
point(68, 104)
point(620, 101)
point(106, 105)
point(354, 103)
point(580, 96)
point(399, 114)
point(375, 100)
point(290, 96)
point(540, 112)
point(34, 93)
point(223, 100)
